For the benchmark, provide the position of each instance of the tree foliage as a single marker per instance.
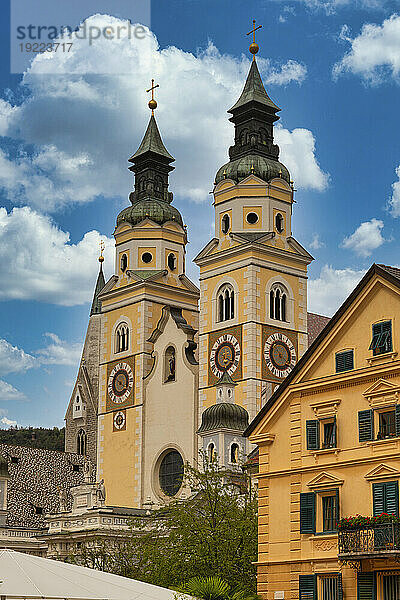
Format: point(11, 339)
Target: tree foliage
point(34, 437)
point(213, 532)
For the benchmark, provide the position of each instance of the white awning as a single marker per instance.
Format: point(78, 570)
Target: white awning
point(26, 577)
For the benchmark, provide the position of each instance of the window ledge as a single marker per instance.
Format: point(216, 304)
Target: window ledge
point(383, 442)
point(388, 355)
point(326, 451)
point(327, 534)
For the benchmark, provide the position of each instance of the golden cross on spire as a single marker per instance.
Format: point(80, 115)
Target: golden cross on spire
point(152, 102)
point(102, 246)
point(254, 48)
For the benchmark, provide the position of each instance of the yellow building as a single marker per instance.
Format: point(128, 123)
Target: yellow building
point(329, 449)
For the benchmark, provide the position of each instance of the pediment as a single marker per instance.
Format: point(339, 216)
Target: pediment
point(382, 471)
point(381, 387)
point(252, 180)
point(324, 480)
point(207, 249)
point(298, 248)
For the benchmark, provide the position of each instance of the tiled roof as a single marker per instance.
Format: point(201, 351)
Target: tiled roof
point(315, 324)
point(392, 270)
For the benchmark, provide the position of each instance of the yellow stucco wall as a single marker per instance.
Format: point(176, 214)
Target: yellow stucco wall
point(287, 468)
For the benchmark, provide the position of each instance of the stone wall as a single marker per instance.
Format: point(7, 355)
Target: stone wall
point(35, 478)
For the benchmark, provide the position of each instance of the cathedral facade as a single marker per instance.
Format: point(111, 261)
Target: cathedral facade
point(169, 369)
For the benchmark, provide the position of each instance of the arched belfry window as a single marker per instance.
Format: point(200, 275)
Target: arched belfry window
point(278, 303)
point(81, 442)
point(226, 303)
point(122, 338)
point(225, 224)
point(212, 455)
point(234, 454)
point(169, 364)
point(124, 262)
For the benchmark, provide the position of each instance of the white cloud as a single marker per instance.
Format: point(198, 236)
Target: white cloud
point(393, 205)
point(298, 154)
point(374, 53)
point(86, 112)
point(59, 352)
point(8, 392)
point(316, 242)
point(38, 261)
point(331, 6)
point(13, 359)
point(8, 423)
point(331, 288)
point(366, 238)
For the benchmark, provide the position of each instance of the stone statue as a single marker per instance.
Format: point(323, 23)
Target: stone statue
point(101, 493)
point(63, 499)
point(87, 470)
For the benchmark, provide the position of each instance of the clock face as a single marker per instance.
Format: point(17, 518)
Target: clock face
point(225, 355)
point(120, 420)
point(279, 354)
point(120, 383)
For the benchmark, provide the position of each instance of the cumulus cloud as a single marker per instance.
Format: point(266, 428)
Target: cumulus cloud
point(8, 392)
point(39, 262)
point(8, 423)
point(316, 242)
point(59, 352)
point(374, 54)
point(328, 291)
point(85, 113)
point(366, 238)
point(14, 359)
point(394, 202)
point(298, 154)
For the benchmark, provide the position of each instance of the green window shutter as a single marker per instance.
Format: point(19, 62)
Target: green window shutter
point(344, 361)
point(366, 586)
point(378, 494)
point(398, 419)
point(366, 425)
point(307, 513)
point(391, 489)
point(312, 435)
point(307, 587)
point(337, 508)
point(340, 587)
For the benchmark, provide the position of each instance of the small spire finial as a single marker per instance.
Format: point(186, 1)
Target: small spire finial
point(152, 102)
point(102, 246)
point(254, 47)
point(252, 168)
point(280, 173)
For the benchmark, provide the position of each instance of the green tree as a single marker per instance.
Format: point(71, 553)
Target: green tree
point(213, 588)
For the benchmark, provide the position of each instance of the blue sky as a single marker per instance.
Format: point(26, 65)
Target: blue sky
point(69, 124)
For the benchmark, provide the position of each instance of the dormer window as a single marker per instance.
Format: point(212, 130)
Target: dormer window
point(381, 338)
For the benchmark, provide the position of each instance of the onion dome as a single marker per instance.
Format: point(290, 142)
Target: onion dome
point(224, 416)
point(158, 211)
point(261, 166)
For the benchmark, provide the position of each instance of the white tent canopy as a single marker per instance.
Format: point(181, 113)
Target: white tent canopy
point(26, 577)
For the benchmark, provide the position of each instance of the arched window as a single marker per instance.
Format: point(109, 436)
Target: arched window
point(225, 223)
point(278, 303)
point(81, 442)
point(169, 364)
point(279, 223)
point(211, 454)
point(234, 454)
point(171, 473)
point(122, 338)
point(171, 260)
point(226, 303)
point(124, 262)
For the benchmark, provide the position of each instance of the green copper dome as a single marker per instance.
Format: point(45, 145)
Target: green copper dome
point(224, 416)
point(261, 166)
point(158, 211)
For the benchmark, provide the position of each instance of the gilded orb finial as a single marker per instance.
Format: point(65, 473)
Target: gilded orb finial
point(254, 47)
point(152, 102)
point(102, 246)
point(252, 168)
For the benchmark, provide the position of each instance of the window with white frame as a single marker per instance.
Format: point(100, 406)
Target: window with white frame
point(122, 338)
point(278, 303)
point(225, 303)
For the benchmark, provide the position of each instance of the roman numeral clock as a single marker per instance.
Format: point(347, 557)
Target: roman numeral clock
point(120, 384)
point(280, 354)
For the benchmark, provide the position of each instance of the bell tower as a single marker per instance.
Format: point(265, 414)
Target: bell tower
point(147, 414)
point(253, 273)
